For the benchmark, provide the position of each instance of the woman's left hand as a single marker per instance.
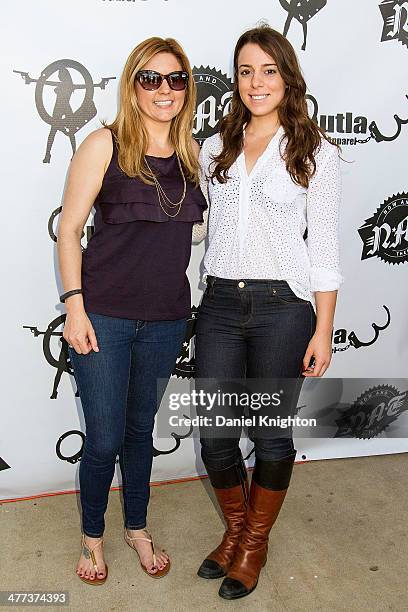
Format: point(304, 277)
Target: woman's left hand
point(320, 348)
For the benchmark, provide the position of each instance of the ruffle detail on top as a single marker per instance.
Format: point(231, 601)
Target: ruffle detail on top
point(125, 212)
point(123, 200)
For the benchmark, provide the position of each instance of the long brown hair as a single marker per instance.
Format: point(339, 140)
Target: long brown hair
point(128, 127)
point(302, 133)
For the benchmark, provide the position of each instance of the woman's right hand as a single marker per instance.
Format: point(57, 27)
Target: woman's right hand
point(79, 333)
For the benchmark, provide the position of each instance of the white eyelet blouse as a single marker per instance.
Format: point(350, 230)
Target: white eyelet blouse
point(257, 222)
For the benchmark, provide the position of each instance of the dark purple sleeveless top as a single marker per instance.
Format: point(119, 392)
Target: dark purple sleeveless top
point(135, 264)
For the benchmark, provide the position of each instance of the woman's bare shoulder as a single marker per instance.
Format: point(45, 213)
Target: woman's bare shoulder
point(97, 146)
point(100, 138)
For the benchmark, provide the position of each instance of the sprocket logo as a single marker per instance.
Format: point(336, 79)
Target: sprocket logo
point(214, 93)
point(63, 118)
point(385, 234)
point(372, 412)
point(395, 16)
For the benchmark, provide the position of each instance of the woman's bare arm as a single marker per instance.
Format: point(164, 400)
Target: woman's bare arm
point(85, 177)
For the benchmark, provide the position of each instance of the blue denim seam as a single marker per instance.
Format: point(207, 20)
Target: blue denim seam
point(124, 475)
point(251, 310)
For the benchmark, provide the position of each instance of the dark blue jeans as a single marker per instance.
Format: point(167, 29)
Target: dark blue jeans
point(251, 329)
point(118, 390)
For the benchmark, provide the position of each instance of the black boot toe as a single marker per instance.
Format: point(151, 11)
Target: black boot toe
point(210, 569)
point(233, 589)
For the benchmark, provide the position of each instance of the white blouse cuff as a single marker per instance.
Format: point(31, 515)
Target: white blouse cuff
point(323, 279)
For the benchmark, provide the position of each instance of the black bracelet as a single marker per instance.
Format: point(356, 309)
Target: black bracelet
point(68, 294)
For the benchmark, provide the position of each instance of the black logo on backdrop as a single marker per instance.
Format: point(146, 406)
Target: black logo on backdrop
point(75, 457)
point(395, 15)
point(53, 222)
point(348, 129)
point(185, 364)
point(372, 412)
point(343, 340)
point(177, 441)
point(56, 356)
point(3, 465)
point(378, 136)
point(385, 234)
point(302, 11)
point(214, 92)
point(63, 118)
point(78, 454)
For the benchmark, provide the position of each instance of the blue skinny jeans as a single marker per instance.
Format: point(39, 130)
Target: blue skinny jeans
point(118, 391)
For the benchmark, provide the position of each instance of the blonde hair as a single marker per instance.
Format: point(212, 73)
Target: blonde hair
point(128, 127)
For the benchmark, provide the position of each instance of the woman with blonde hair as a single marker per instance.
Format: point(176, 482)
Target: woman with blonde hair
point(273, 271)
point(128, 297)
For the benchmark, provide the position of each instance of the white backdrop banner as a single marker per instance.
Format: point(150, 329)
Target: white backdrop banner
point(60, 67)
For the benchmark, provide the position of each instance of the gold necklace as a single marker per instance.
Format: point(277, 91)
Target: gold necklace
point(162, 197)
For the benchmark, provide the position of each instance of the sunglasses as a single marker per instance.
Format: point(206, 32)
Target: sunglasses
point(152, 80)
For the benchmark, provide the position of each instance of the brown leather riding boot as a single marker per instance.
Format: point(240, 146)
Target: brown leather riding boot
point(269, 485)
point(231, 489)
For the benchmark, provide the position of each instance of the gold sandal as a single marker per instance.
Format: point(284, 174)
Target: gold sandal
point(96, 581)
point(160, 572)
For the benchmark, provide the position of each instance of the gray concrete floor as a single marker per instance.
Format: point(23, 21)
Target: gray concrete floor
point(340, 543)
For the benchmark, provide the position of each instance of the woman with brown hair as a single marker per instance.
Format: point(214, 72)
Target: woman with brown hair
point(128, 297)
point(267, 313)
